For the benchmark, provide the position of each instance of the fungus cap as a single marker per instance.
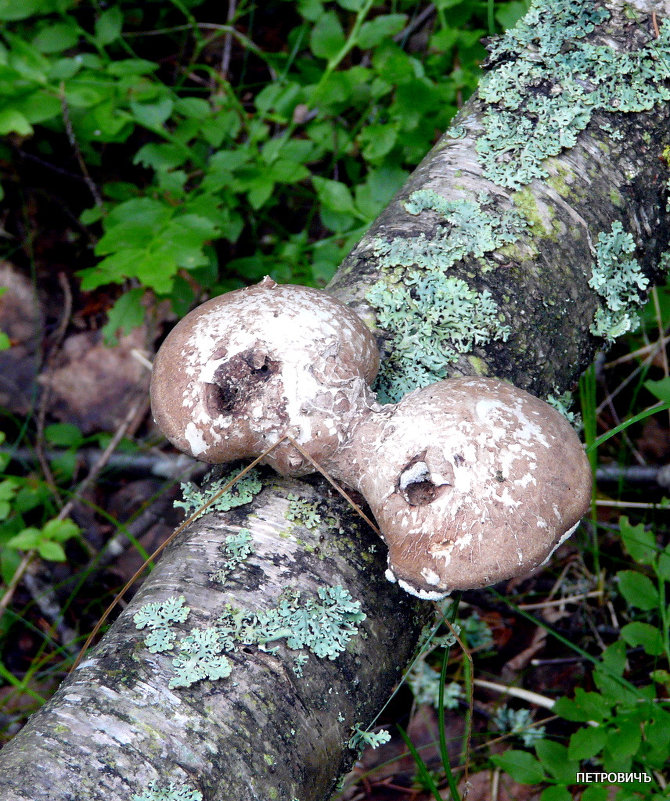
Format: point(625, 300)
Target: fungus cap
point(247, 367)
point(472, 481)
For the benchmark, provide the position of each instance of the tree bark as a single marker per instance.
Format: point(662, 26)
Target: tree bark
point(264, 732)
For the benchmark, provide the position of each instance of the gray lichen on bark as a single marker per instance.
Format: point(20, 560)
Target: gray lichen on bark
point(263, 733)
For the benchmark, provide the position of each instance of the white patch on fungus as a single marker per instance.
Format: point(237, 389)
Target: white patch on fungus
point(195, 439)
point(430, 576)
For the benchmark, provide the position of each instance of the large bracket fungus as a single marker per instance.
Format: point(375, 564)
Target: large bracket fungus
point(248, 367)
point(471, 480)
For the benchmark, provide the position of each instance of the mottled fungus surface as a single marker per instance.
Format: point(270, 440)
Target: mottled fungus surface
point(471, 480)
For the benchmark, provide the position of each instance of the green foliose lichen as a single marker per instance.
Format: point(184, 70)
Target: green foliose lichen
point(466, 227)
point(322, 625)
point(431, 317)
point(546, 82)
point(158, 618)
point(242, 492)
point(618, 279)
point(172, 792)
point(562, 401)
point(303, 512)
point(236, 549)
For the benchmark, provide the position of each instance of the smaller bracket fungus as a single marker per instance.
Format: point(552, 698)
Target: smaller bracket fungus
point(471, 480)
point(245, 368)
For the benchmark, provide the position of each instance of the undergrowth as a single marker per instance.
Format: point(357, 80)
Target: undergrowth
point(156, 152)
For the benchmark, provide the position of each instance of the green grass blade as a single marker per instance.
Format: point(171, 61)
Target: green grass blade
point(659, 407)
point(421, 768)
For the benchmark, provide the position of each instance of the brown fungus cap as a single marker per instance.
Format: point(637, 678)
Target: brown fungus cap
point(247, 367)
point(472, 481)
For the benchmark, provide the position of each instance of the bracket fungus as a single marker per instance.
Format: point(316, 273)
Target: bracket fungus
point(250, 366)
point(471, 480)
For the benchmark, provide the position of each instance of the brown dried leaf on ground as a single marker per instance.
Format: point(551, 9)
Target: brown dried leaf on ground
point(482, 785)
point(148, 514)
point(654, 443)
point(21, 318)
point(94, 385)
point(392, 766)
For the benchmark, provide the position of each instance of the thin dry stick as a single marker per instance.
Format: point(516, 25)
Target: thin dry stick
point(16, 578)
point(517, 692)
point(65, 111)
point(164, 545)
point(102, 460)
point(46, 392)
point(334, 483)
point(65, 510)
point(628, 504)
point(228, 41)
point(626, 381)
point(652, 349)
point(570, 599)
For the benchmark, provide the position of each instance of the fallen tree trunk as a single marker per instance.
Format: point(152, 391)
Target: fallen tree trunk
point(525, 238)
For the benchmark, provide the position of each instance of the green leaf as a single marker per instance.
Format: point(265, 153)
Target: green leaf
point(659, 389)
point(556, 760)
point(131, 66)
point(327, 37)
point(10, 559)
point(638, 542)
point(624, 740)
point(587, 742)
point(51, 551)
point(334, 195)
point(194, 107)
point(108, 26)
point(183, 239)
point(8, 489)
point(596, 792)
point(81, 93)
point(63, 464)
point(14, 10)
point(64, 435)
point(661, 677)
point(638, 590)
point(584, 707)
point(12, 121)
point(5, 344)
point(558, 792)
point(39, 106)
point(613, 659)
point(521, 766)
point(56, 38)
point(644, 634)
point(152, 115)
point(288, 172)
point(160, 156)
point(126, 314)
point(383, 27)
point(663, 567)
point(510, 13)
point(60, 530)
point(310, 9)
point(378, 141)
point(133, 224)
point(25, 540)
